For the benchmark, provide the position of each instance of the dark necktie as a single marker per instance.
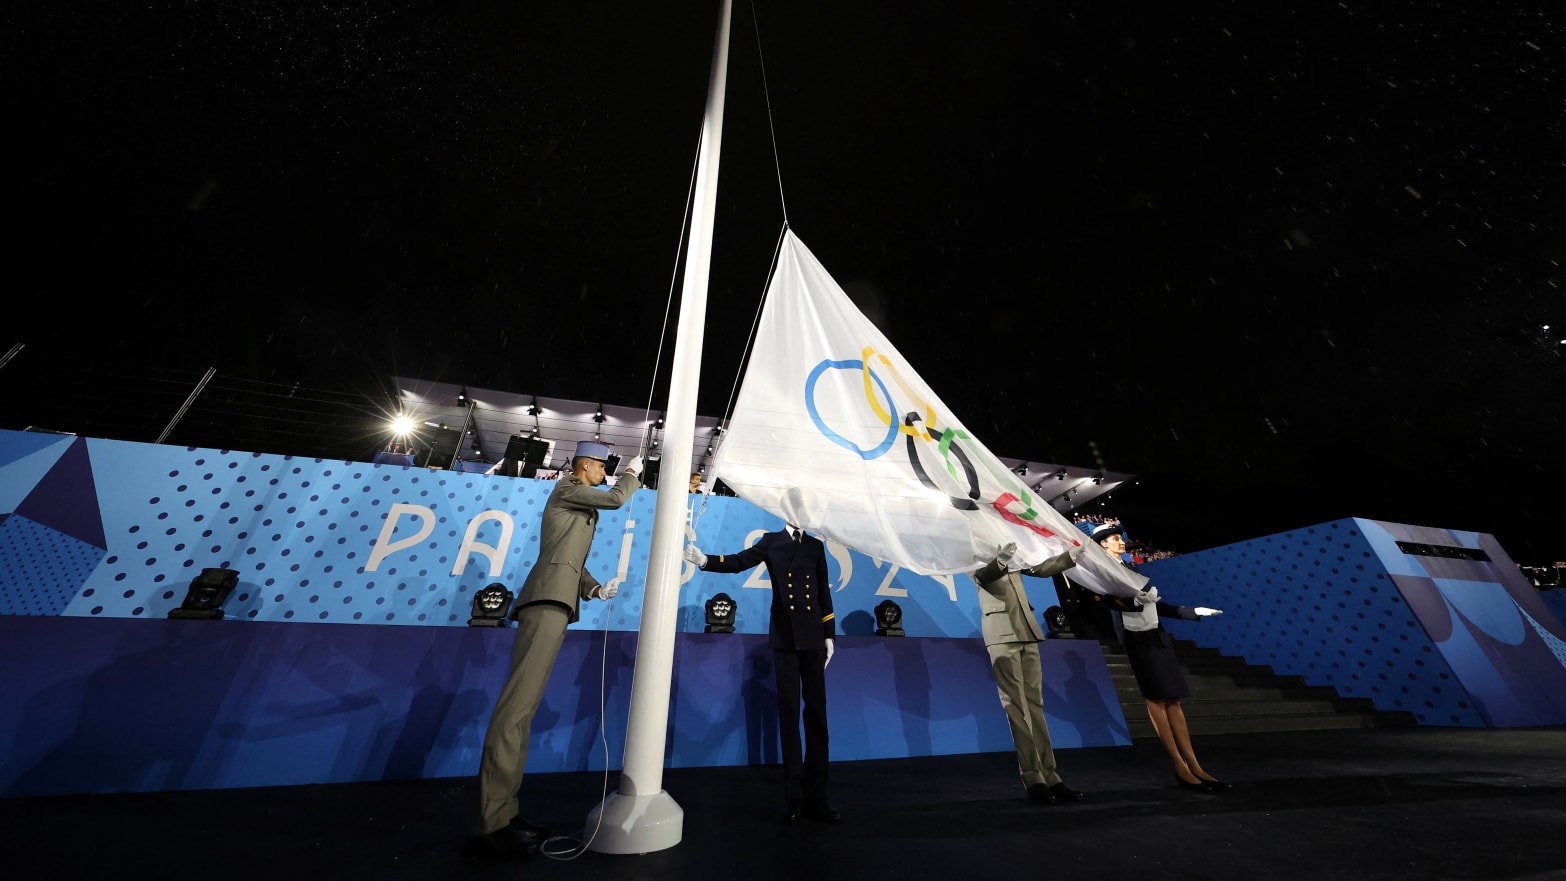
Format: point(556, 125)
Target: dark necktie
point(795, 533)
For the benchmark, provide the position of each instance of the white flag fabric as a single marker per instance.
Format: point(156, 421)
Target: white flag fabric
point(834, 431)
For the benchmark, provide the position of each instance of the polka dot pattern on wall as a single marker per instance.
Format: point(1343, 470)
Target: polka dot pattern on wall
point(302, 533)
point(1317, 603)
point(40, 568)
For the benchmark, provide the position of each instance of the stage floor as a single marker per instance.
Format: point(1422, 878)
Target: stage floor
point(1369, 804)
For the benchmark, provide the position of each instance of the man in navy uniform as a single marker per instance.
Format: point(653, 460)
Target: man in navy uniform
point(801, 634)
point(547, 604)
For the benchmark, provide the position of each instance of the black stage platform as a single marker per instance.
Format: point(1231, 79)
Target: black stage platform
point(1364, 804)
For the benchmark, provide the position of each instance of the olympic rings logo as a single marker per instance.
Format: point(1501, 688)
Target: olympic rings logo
point(920, 429)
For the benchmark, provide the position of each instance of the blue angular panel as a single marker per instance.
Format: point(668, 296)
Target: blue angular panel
point(1416, 618)
point(65, 499)
point(41, 568)
point(1317, 603)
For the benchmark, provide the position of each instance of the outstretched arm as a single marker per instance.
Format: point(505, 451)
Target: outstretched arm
point(582, 496)
point(749, 558)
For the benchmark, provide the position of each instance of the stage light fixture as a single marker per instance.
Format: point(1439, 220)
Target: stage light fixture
point(1055, 620)
point(720, 614)
point(533, 409)
point(889, 619)
point(659, 423)
point(491, 606)
point(1021, 470)
point(599, 416)
point(1061, 474)
point(206, 594)
point(462, 397)
point(1098, 478)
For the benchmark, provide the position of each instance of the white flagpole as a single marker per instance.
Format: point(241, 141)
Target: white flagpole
point(641, 817)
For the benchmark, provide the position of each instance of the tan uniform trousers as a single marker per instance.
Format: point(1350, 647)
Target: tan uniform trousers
point(541, 629)
point(1020, 680)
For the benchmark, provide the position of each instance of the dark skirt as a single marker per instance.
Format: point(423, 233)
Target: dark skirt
point(1152, 657)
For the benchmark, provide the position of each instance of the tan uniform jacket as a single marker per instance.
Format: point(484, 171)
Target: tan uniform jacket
point(1005, 613)
point(564, 539)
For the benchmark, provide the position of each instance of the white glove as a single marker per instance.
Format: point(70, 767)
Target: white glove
point(608, 591)
point(1204, 612)
point(634, 466)
point(1007, 551)
point(694, 554)
point(829, 653)
point(1147, 597)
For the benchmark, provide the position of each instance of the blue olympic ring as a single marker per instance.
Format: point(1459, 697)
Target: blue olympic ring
point(834, 437)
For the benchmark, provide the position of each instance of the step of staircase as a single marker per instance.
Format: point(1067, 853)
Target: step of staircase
point(1230, 696)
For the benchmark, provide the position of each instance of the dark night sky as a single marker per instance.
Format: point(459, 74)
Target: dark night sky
point(1286, 263)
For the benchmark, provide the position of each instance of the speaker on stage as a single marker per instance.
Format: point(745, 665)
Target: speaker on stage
point(524, 456)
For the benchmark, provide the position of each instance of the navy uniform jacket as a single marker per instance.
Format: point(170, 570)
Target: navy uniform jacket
point(802, 618)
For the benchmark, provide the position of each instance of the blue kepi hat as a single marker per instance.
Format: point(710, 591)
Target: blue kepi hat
point(1104, 531)
point(591, 450)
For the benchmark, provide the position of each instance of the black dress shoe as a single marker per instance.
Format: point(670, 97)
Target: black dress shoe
point(505, 843)
point(1040, 793)
point(1062, 792)
point(1217, 786)
point(526, 828)
point(820, 810)
point(1198, 786)
point(791, 812)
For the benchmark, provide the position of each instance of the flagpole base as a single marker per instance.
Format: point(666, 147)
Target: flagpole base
point(636, 823)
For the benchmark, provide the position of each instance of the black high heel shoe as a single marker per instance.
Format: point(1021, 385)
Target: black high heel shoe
point(1217, 785)
point(1198, 786)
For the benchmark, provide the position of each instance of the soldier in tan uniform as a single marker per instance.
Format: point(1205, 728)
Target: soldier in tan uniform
point(547, 604)
point(1012, 636)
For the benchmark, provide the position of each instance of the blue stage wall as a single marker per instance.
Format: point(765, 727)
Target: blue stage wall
point(101, 692)
point(96, 528)
point(1451, 631)
point(97, 705)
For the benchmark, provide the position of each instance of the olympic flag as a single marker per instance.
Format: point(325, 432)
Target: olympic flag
point(834, 431)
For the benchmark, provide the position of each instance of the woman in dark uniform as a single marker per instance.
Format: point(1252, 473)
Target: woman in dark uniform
point(1150, 649)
